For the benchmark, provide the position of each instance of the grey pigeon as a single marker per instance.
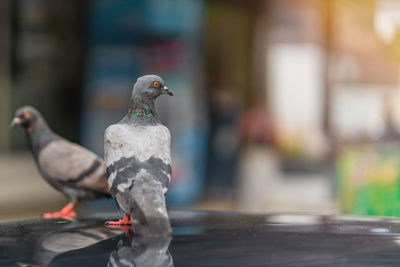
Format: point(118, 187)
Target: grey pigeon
point(138, 161)
point(70, 168)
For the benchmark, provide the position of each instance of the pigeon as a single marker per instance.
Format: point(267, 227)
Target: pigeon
point(138, 161)
point(70, 168)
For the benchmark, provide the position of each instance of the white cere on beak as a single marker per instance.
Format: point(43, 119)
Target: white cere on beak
point(15, 121)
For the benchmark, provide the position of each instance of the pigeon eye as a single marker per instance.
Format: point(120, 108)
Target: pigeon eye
point(27, 115)
point(156, 84)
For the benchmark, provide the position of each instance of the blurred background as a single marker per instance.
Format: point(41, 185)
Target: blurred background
point(280, 105)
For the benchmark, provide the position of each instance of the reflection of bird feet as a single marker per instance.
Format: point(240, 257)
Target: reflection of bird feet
point(67, 213)
point(124, 224)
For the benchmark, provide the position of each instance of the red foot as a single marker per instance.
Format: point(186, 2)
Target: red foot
point(67, 213)
point(124, 224)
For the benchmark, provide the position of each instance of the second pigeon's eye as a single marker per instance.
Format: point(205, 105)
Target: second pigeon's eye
point(156, 84)
point(27, 115)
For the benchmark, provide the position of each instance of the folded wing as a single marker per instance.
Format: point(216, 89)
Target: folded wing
point(70, 164)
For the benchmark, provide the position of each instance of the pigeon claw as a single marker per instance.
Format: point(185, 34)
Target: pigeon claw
point(124, 224)
point(58, 215)
point(67, 213)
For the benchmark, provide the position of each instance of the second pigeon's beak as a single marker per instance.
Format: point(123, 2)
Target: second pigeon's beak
point(167, 91)
point(15, 121)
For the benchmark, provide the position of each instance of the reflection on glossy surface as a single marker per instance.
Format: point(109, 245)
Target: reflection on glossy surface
point(142, 252)
point(207, 239)
point(75, 236)
point(38, 242)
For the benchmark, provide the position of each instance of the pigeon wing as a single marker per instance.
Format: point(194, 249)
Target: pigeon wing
point(73, 165)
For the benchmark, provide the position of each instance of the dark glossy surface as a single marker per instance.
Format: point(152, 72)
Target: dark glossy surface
point(206, 239)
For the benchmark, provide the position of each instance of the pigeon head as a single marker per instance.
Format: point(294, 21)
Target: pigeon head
point(26, 116)
point(149, 87)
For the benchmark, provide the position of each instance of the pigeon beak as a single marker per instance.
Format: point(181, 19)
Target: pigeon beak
point(167, 91)
point(15, 121)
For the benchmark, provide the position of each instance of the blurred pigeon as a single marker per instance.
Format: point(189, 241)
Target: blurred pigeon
point(71, 169)
point(138, 161)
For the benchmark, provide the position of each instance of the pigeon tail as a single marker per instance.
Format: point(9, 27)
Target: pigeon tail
point(150, 210)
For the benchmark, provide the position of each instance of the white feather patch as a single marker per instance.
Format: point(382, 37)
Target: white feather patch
point(165, 190)
point(168, 175)
point(122, 187)
point(111, 178)
point(142, 142)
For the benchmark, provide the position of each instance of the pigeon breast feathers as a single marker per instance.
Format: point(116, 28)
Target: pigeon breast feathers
point(142, 142)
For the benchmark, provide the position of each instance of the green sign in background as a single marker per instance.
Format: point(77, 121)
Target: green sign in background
point(369, 181)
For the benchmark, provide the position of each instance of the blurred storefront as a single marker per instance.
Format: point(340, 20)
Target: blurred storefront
point(365, 111)
point(277, 102)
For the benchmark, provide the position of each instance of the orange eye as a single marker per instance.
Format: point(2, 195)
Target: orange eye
point(156, 84)
point(27, 115)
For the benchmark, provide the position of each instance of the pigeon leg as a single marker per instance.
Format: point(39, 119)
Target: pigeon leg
point(68, 212)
